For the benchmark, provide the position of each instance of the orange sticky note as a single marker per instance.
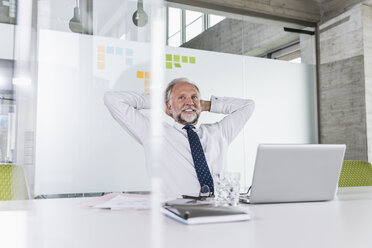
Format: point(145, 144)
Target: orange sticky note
point(101, 49)
point(100, 65)
point(139, 74)
point(147, 74)
point(101, 56)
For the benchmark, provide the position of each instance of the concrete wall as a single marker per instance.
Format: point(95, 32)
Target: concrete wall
point(344, 92)
point(242, 37)
point(367, 45)
point(342, 106)
point(333, 8)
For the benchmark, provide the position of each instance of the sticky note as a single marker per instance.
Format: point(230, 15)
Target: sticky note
point(128, 52)
point(192, 60)
point(147, 75)
point(147, 90)
point(139, 74)
point(147, 82)
point(119, 51)
point(168, 57)
point(168, 65)
point(101, 49)
point(177, 65)
point(100, 65)
point(185, 59)
point(101, 56)
point(129, 61)
point(110, 50)
point(176, 58)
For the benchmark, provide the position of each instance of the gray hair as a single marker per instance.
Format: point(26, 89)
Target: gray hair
point(168, 90)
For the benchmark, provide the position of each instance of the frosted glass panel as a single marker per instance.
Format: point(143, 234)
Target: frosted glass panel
point(79, 147)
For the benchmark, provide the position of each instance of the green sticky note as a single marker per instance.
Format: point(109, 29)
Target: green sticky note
point(185, 59)
point(192, 60)
point(177, 65)
point(168, 65)
point(168, 57)
point(176, 58)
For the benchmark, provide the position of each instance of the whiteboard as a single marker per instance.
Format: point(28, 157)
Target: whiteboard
point(79, 146)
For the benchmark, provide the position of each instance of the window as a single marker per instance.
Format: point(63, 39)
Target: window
point(174, 27)
point(194, 24)
point(184, 25)
point(214, 19)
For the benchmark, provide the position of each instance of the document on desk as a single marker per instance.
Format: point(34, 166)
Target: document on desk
point(122, 201)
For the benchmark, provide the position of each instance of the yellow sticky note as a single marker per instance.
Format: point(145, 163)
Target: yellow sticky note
point(168, 65)
point(176, 58)
point(147, 90)
point(192, 60)
point(177, 65)
point(185, 59)
point(101, 49)
point(147, 74)
point(147, 83)
point(168, 57)
point(101, 56)
point(139, 74)
point(100, 65)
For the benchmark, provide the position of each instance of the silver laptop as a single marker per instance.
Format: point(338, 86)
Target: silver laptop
point(295, 173)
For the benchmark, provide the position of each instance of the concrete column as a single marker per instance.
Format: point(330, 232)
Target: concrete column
point(345, 105)
point(367, 46)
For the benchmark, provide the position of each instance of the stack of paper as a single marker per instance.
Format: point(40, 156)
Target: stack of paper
point(118, 201)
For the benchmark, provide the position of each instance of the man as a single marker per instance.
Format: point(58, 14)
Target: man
point(186, 166)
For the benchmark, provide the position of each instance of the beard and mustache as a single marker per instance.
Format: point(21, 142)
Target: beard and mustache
point(187, 118)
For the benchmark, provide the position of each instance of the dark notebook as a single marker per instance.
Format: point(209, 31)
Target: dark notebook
point(204, 214)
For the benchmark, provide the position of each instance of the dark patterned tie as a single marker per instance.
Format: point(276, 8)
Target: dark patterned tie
point(200, 163)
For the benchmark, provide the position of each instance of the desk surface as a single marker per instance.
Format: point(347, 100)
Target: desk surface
point(344, 222)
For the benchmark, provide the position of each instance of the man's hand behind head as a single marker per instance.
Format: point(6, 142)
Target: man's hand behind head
point(205, 105)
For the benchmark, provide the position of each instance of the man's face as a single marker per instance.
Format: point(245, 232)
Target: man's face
point(184, 106)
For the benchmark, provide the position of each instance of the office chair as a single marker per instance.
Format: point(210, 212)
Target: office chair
point(12, 183)
point(355, 173)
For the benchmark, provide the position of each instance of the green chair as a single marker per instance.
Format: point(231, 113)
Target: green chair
point(12, 183)
point(355, 173)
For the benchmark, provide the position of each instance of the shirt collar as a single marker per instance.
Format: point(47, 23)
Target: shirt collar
point(180, 126)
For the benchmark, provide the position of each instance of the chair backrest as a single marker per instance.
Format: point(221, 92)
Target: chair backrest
point(12, 183)
point(355, 173)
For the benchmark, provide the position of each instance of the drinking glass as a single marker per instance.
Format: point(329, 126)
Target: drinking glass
point(226, 188)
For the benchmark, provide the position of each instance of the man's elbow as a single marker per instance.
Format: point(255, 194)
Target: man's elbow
point(108, 98)
point(250, 106)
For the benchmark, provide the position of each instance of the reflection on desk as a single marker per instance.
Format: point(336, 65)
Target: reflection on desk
point(343, 222)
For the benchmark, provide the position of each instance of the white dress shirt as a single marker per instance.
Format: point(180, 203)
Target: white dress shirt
point(177, 167)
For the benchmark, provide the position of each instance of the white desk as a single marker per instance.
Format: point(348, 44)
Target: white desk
point(344, 222)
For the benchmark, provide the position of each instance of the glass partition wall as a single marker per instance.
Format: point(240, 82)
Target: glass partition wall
point(67, 54)
point(64, 56)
